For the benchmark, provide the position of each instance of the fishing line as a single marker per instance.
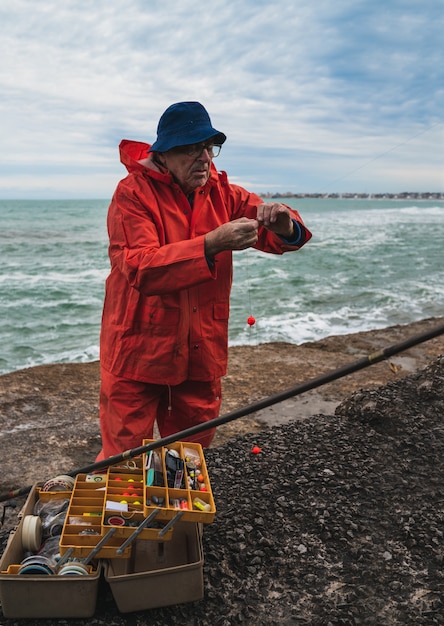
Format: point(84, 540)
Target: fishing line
point(382, 154)
point(251, 321)
point(247, 270)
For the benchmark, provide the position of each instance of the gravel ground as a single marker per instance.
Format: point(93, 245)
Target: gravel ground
point(337, 521)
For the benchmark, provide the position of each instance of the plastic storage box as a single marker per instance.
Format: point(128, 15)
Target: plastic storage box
point(40, 596)
point(159, 574)
point(139, 521)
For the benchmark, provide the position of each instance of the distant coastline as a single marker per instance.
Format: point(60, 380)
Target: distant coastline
point(404, 195)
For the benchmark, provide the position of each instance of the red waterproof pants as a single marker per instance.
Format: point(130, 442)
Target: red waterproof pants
point(129, 410)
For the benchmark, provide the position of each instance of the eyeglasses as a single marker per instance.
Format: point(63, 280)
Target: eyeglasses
point(196, 149)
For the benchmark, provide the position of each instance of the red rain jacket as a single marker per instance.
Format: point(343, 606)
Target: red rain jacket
point(165, 316)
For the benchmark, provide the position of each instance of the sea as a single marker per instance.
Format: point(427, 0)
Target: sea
point(370, 264)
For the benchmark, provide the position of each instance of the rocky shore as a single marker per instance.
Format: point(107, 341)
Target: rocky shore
point(339, 520)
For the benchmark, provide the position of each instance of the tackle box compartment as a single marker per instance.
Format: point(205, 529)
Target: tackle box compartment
point(159, 574)
point(123, 507)
point(43, 596)
point(175, 479)
point(83, 528)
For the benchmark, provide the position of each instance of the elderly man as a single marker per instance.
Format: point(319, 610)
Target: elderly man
point(173, 223)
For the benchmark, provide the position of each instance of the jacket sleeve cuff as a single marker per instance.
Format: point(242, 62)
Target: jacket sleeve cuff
point(297, 235)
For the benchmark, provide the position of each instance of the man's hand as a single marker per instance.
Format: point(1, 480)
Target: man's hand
point(277, 218)
point(236, 235)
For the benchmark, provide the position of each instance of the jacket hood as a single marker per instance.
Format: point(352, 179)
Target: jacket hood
point(131, 152)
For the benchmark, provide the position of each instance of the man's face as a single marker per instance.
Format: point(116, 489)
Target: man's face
point(189, 165)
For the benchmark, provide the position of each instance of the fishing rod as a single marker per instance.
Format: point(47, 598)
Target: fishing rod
point(313, 383)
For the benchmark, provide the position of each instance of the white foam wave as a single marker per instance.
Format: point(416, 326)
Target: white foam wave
point(74, 355)
point(32, 280)
point(293, 325)
point(433, 211)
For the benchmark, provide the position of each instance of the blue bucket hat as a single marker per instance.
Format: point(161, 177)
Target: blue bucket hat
point(185, 123)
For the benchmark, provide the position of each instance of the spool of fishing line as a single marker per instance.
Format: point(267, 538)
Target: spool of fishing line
point(59, 483)
point(32, 532)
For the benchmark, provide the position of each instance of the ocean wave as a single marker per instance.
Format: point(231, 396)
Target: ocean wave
point(419, 211)
point(322, 314)
point(11, 277)
point(36, 358)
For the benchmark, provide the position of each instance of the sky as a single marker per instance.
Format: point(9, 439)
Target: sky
point(327, 96)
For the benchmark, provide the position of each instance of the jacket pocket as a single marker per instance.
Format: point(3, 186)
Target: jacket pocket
point(158, 316)
point(154, 321)
point(221, 311)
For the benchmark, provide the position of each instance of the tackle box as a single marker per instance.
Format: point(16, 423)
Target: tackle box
point(40, 596)
point(141, 520)
point(159, 488)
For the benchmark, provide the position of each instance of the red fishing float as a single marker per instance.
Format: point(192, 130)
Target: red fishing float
point(251, 321)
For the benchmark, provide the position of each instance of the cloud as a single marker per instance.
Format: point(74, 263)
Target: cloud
point(305, 92)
